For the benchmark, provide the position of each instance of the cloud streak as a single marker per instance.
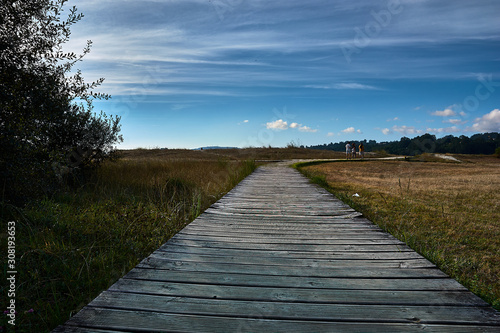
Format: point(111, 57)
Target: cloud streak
point(179, 60)
point(187, 36)
point(444, 113)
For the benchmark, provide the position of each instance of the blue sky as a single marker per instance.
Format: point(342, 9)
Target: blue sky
point(191, 73)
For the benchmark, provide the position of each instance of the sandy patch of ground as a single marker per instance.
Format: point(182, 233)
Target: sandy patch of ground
point(447, 157)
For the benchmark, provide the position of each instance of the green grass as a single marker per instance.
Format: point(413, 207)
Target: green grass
point(74, 245)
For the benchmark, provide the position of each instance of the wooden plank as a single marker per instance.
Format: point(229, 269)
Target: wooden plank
point(312, 230)
point(277, 233)
point(321, 221)
point(278, 254)
point(75, 329)
point(301, 231)
point(270, 213)
point(289, 240)
point(261, 280)
point(148, 321)
point(457, 315)
point(290, 262)
point(270, 227)
point(301, 295)
point(293, 247)
point(344, 272)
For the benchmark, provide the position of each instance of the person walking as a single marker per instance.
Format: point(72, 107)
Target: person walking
point(361, 150)
point(348, 150)
point(353, 146)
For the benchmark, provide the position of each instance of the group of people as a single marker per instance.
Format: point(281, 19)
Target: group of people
point(350, 150)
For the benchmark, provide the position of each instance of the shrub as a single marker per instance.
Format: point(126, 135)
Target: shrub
point(48, 128)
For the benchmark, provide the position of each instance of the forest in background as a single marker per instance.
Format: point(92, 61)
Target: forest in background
point(485, 143)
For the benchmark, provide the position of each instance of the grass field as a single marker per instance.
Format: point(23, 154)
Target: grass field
point(447, 211)
point(73, 245)
point(259, 154)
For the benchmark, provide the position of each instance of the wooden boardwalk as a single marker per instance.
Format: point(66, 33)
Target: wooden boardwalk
point(278, 254)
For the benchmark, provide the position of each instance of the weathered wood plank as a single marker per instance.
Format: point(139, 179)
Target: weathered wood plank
point(349, 220)
point(247, 227)
point(76, 329)
point(290, 262)
point(278, 254)
point(298, 311)
point(276, 240)
point(293, 247)
point(344, 272)
point(297, 231)
point(261, 280)
point(166, 322)
point(302, 295)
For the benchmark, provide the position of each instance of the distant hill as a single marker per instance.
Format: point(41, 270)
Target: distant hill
point(215, 147)
point(484, 143)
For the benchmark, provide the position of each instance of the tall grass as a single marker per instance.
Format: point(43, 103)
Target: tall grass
point(72, 246)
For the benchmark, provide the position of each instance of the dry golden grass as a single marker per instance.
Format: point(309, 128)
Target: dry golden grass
point(449, 212)
point(232, 154)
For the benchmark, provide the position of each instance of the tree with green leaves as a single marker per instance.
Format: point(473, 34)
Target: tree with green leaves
point(48, 127)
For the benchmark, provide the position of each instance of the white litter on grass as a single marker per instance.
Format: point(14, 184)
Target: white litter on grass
point(447, 157)
point(355, 195)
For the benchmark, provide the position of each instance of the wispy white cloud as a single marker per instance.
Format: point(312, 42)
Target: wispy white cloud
point(404, 130)
point(452, 129)
point(448, 112)
point(192, 43)
point(356, 86)
point(455, 121)
point(343, 86)
point(307, 129)
point(350, 130)
point(216, 52)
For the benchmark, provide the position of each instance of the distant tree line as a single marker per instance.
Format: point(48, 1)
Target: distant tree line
point(485, 143)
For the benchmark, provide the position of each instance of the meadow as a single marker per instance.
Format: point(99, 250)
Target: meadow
point(75, 244)
point(447, 211)
point(72, 245)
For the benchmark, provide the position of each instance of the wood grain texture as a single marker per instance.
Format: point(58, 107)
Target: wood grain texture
point(277, 254)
